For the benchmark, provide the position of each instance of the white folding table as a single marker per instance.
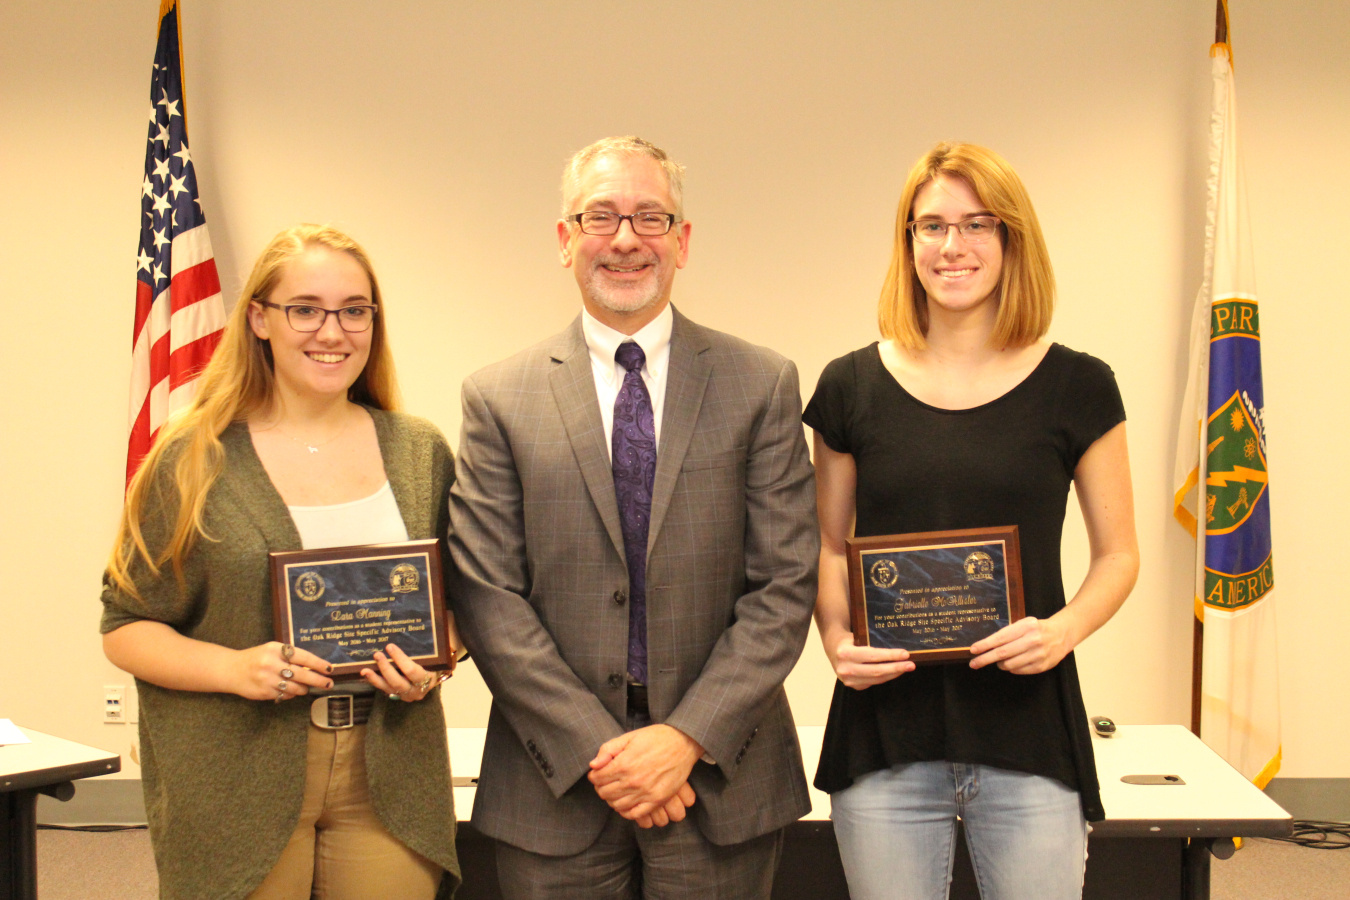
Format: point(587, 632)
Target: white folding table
point(45, 765)
point(1156, 840)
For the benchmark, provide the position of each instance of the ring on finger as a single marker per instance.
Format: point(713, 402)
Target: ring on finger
point(282, 685)
point(287, 673)
point(287, 651)
point(281, 695)
point(427, 683)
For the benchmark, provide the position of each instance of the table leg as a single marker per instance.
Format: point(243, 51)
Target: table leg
point(1195, 869)
point(18, 834)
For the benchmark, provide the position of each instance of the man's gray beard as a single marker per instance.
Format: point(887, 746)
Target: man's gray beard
point(619, 300)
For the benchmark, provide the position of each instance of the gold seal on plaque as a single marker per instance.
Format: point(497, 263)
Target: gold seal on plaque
point(309, 586)
point(884, 573)
point(403, 579)
point(979, 566)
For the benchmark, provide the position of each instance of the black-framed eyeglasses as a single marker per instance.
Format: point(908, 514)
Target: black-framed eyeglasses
point(647, 224)
point(306, 317)
point(975, 229)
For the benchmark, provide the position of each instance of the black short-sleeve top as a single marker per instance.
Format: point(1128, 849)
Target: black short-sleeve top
point(920, 468)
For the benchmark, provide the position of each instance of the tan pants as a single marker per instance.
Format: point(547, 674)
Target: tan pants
point(339, 849)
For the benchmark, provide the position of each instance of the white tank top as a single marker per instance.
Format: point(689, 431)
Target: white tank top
point(370, 520)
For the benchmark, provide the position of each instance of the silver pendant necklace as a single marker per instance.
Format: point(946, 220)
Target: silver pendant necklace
point(311, 447)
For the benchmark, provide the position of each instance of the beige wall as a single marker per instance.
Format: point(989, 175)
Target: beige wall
point(435, 132)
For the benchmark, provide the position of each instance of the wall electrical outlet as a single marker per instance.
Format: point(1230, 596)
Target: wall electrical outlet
point(114, 704)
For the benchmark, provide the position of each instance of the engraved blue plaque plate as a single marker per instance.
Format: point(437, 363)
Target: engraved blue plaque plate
point(934, 593)
point(344, 603)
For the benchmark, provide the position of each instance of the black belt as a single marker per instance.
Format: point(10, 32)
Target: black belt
point(338, 711)
point(637, 700)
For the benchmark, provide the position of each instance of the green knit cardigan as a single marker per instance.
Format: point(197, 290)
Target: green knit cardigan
point(224, 776)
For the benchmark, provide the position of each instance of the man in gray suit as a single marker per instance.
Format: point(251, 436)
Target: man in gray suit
point(635, 545)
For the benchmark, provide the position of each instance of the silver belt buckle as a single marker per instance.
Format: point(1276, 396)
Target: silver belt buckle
point(332, 712)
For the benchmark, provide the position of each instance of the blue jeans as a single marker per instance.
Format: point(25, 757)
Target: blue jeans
point(897, 833)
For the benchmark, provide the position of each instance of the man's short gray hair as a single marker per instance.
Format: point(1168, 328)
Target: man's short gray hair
point(628, 145)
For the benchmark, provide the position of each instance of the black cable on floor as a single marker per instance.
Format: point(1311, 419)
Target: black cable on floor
point(1319, 835)
point(93, 828)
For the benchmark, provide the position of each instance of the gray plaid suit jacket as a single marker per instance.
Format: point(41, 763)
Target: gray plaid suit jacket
point(540, 580)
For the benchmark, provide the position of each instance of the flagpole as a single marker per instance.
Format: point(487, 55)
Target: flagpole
point(1198, 628)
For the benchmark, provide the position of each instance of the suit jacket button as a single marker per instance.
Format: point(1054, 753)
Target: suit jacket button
point(616, 680)
point(620, 597)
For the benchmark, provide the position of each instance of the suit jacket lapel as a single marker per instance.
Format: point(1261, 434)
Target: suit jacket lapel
point(574, 392)
point(685, 385)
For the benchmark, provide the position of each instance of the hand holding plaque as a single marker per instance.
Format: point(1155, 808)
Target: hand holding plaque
point(345, 603)
point(934, 593)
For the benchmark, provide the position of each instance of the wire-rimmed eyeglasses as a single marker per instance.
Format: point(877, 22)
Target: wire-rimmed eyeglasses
point(306, 317)
point(974, 229)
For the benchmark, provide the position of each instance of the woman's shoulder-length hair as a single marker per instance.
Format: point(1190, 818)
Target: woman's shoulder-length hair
point(1026, 289)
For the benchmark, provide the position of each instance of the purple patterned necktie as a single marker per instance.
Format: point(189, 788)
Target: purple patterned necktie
point(634, 464)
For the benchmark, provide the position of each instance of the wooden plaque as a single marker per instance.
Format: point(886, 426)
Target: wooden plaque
point(344, 603)
point(934, 593)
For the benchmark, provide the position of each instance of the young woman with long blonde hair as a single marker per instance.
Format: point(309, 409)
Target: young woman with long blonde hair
point(293, 441)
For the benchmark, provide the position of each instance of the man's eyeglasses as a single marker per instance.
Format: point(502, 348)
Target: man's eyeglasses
point(305, 317)
point(975, 229)
point(647, 224)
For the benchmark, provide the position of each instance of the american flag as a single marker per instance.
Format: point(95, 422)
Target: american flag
point(179, 312)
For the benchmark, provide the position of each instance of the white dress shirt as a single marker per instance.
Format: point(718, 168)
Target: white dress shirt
point(603, 341)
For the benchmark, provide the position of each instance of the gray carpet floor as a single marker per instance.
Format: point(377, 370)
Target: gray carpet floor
point(119, 866)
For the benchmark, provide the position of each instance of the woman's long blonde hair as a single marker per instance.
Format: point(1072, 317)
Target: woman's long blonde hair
point(1026, 289)
point(236, 383)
